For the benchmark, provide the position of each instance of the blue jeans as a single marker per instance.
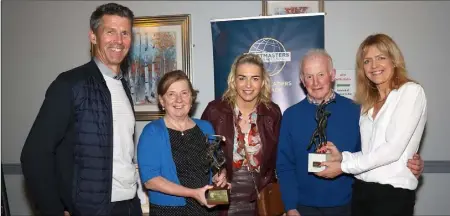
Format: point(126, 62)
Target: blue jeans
point(344, 210)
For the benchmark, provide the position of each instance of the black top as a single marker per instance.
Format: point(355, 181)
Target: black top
point(189, 154)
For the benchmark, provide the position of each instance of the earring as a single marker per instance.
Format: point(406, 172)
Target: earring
point(163, 108)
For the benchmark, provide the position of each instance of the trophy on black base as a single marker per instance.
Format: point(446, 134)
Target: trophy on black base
point(216, 157)
point(319, 139)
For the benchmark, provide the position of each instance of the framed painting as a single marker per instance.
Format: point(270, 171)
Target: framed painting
point(270, 8)
point(160, 44)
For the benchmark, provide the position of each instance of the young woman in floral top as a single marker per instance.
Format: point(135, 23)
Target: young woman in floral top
point(250, 121)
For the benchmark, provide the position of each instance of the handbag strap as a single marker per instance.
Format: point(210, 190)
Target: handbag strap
point(251, 170)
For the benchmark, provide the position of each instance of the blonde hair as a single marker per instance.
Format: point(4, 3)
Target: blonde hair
point(366, 91)
point(265, 96)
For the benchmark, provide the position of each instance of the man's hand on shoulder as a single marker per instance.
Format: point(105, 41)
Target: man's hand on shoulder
point(416, 165)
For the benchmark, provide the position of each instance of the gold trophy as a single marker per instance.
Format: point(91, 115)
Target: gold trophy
point(216, 157)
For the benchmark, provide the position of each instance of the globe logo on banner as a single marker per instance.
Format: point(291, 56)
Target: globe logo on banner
point(273, 54)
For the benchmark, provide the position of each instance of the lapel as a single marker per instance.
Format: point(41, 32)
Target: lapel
point(265, 128)
point(97, 75)
point(227, 128)
point(128, 92)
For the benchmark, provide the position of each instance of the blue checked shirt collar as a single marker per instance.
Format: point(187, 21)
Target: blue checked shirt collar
point(328, 100)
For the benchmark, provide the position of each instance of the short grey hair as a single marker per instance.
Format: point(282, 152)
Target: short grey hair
point(317, 52)
point(109, 9)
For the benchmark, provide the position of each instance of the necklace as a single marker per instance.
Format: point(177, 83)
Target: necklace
point(176, 127)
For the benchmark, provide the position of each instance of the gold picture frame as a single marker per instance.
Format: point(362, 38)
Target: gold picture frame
point(160, 44)
point(270, 8)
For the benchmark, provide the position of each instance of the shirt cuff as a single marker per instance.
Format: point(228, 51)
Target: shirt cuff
point(346, 162)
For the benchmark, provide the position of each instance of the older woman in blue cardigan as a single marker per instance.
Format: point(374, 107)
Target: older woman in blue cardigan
point(172, 153)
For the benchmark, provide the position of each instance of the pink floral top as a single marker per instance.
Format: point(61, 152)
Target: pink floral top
point(250, 140)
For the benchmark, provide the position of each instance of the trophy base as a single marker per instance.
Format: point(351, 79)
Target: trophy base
point(217, 196)
point(314, 160)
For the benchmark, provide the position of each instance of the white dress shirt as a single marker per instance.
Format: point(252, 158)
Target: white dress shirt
point(389, 140)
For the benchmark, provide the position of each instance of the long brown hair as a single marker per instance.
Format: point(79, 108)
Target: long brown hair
point(265, 96)
point(366, 91)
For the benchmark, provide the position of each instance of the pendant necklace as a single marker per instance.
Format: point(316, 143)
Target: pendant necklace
point(177, 128)
point(182, 131)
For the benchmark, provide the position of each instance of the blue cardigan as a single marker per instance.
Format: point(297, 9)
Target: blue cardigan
point(154, 156)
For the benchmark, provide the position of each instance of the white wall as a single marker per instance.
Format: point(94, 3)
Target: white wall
point(421, 30)
point(41, 39)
